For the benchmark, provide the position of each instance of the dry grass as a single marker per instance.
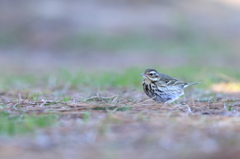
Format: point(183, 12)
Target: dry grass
point(127, 125)
point(111, 119)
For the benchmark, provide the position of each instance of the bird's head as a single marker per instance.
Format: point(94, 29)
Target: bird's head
point(151, 75)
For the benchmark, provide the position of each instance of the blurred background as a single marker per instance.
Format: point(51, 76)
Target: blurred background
point(44, 35)
point(91, 52)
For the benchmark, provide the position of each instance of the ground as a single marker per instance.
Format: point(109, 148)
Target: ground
point(62, 120)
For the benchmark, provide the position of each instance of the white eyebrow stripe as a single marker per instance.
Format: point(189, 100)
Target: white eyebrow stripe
point(152, 72)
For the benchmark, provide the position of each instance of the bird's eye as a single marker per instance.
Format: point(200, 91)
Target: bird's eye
point(151, 74)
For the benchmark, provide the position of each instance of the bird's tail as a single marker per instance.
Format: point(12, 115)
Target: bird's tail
point(189, 84)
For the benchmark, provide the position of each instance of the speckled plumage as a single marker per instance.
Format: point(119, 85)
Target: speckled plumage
point(161, 87)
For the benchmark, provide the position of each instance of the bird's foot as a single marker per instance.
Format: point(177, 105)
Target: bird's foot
point(168, 102)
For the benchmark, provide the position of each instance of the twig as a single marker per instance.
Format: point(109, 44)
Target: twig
point(193, 102)
point(114, 99)
point(209, 102)
point(43, 103)
point(144, 101)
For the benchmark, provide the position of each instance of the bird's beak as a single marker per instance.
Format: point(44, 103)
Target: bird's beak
point(142, 74)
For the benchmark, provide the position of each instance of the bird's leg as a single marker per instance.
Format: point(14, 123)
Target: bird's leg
point(171, 100)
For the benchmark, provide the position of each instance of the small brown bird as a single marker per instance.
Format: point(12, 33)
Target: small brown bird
point(161, 87)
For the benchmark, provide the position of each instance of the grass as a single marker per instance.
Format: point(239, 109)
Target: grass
point(108, 113)
point(128, 78)
point(23, 123)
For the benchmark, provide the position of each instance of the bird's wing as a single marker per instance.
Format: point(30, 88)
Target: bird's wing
point(169, 81)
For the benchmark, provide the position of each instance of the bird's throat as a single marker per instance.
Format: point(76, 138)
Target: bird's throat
point(147, 81)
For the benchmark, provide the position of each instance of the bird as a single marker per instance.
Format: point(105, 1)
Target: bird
point(161, 87)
